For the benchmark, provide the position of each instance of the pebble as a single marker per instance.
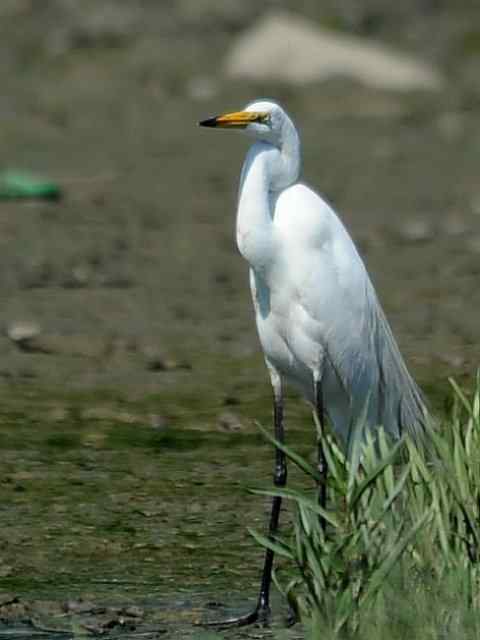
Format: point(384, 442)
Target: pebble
point(158, 422)
point(288, 47)
point(23, 330)
point(230, 421)
point(158, 361)
point(417, 230)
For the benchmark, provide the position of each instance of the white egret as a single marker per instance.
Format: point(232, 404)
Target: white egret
point(318, 318)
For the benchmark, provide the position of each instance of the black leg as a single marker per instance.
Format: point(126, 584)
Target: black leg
point(280, 480)
point(322, 461)
point(261, 613)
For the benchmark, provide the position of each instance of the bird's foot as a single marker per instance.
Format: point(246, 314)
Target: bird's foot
point(260, 615)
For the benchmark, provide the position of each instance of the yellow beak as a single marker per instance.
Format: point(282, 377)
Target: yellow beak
point(238, 119)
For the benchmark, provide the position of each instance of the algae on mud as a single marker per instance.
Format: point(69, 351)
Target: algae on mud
point(123, 513)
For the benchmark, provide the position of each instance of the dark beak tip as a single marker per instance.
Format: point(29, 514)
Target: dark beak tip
point(209, 122)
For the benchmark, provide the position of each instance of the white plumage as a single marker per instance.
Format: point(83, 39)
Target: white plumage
point(316, 310)
point(317, 313)
point(320, 324)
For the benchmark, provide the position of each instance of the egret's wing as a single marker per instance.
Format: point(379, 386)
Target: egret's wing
point(373, 374)
point(364, 374)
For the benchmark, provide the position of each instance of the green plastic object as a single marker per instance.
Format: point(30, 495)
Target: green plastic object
point(22, 184)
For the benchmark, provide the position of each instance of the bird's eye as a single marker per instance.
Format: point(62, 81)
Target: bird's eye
point(264, 118)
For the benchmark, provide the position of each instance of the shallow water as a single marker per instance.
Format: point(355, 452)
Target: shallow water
point(118, 514)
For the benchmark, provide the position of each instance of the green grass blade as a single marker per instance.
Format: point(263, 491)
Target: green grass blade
point(378, 578)
point(300, 462)
point(462, 397)
point(276, 546)
point(396, 490)
point(300, 499)
point(373, 475)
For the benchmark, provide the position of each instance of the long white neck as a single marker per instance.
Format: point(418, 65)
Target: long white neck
point(267, 170)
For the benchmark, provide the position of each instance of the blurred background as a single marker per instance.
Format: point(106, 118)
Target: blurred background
point(124, 300)
point(135, 268)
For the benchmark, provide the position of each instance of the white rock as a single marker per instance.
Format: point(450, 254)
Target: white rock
point(23, 330)
point(416, 230)
point(289, 48)
point(230, 421)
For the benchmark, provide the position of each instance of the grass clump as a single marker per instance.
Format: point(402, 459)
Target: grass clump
point(397, 552)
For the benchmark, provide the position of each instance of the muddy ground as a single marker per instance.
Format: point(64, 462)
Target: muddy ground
point(126, 423)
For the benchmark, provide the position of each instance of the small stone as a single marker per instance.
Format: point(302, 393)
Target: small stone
point(7, 598)
point(158, 422)
point(173, 363)
point(27, 336)
point(80, 276)
point(155, 361)
point(100, 627)
point(454, 360)
point(417, 230)
point(23, 330)
point(230, 421)
point(158, 361)
point(81, 606)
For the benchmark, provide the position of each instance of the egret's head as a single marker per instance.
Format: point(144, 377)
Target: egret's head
point(263, 120)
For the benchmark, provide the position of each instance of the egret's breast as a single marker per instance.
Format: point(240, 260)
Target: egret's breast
point(285, 331)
